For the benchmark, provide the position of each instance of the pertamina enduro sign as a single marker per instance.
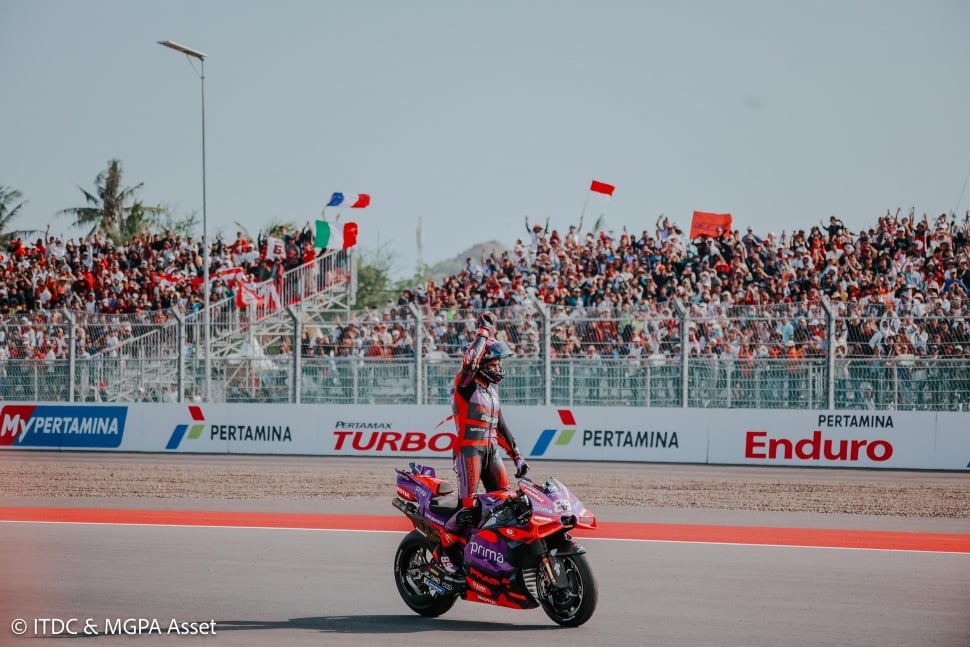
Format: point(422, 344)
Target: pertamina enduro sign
point(823, 439)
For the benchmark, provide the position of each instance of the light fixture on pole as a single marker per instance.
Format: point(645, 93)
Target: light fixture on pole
point(188, 51)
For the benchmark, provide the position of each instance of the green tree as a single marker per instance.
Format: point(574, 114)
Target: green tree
point(374, 286)
point(8, 212)
point(112, 209)
point(163, 218)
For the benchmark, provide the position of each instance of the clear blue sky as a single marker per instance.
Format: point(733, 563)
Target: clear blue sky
point(469, 115)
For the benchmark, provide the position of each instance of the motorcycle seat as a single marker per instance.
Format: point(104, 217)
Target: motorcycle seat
point(445, 488)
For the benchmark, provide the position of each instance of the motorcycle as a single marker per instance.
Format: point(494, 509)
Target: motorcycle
point(518, 555)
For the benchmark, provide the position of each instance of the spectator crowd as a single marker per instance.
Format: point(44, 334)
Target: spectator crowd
point(145, 277)
point(898, 287)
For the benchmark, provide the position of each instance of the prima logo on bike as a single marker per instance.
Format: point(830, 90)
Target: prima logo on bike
point(561, 436)
point(486, 553)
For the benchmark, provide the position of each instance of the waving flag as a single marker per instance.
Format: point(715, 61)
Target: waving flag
point(335, 236)
point(709, 224)
point(246, 295)
point(168, 280)
point(602, 187)
point(352, 200)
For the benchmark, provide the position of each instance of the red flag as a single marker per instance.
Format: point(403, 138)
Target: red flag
point(246, 295)
point(709, 224)
point(166, 280)
point(350, 234)
point(602, 187)
point(231, 274)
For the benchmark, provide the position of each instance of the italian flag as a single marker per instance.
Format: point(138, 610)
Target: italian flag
point(335, 236)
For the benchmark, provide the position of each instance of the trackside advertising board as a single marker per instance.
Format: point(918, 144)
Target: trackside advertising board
point(890, 439)
point(59, 426)
point(866, 439)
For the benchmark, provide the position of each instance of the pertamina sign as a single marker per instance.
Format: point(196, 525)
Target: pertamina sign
point(51, 425)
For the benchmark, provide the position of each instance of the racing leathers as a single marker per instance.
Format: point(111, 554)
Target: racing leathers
point(480, 425)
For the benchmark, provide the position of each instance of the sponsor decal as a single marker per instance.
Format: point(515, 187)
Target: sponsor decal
point(62, 426)
point(478, 586)
point(258, 433)
point(759, 446)
point(562, 436)
point(864, 421)
point(379, 437)
point(486, 553)
point(487, 579)
point(603, 437)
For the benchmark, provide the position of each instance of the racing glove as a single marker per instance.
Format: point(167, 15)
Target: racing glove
point(486, 324)
point(521, 467)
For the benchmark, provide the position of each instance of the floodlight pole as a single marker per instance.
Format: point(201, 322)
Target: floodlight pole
point(206, 315)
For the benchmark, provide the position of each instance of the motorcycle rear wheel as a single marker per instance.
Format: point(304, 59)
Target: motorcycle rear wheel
point(573, 605)
point(414, 554)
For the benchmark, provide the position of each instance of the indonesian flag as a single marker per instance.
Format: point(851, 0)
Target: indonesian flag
point(246, 295)
point(268, 295)
point(167, 280)
point(602, 187)
point(352, 200)
point(335, 236)
point(231, 274)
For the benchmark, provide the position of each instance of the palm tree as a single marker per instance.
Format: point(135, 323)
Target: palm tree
point(112, 210)
point(274, 227)
point(8, 212)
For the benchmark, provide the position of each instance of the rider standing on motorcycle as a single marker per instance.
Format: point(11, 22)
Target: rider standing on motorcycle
point(479, 422)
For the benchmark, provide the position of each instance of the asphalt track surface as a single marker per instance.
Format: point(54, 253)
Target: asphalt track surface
point(306, 573)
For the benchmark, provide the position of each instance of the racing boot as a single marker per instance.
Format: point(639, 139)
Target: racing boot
point(466, 517)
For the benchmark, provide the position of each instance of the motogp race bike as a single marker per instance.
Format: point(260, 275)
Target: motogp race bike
point(519, 554)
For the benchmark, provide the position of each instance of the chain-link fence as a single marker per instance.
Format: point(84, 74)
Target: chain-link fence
point(789, 356)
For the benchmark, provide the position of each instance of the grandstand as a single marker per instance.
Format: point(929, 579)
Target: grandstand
point(823, 318)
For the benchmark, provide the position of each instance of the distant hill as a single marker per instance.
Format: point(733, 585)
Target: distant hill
point(452, 266)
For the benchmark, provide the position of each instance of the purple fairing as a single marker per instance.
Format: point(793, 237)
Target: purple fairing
point(552, 499)
point(488, 553)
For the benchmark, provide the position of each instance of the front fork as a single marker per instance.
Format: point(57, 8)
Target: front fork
point(551, 569)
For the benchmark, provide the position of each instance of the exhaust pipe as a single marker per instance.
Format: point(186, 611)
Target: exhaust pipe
point(406, 507)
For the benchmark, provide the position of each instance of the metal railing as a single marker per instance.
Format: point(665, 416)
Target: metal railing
point(783, 357)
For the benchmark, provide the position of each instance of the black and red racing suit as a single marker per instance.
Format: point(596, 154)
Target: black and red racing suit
point(481, 429)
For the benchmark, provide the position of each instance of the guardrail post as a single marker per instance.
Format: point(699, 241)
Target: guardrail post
point(180, 344)
point(546, 347)
point(296, 384)
point(829, 353)
point(71, 353)
point(684, 313)
point(418, 353)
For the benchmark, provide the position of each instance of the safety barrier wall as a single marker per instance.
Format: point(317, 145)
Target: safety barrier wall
point(871, 439)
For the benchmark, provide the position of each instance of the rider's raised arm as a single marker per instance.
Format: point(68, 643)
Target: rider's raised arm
point(471, 358)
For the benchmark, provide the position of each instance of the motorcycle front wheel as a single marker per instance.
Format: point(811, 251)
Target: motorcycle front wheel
point(410, 564)
point(573, 604)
